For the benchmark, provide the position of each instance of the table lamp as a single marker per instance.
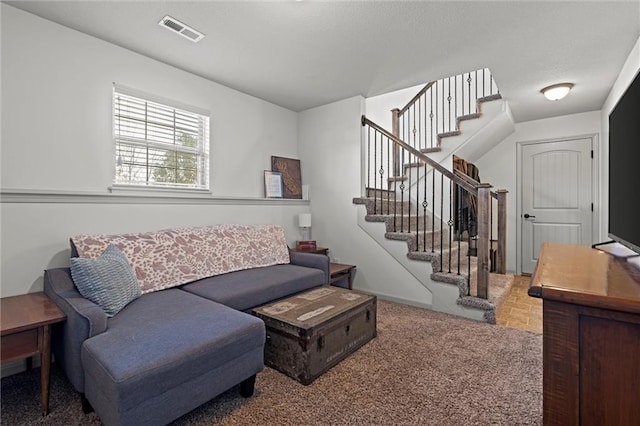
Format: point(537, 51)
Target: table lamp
point(304, 222)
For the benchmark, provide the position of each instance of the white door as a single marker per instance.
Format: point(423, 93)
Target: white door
point(556, 196)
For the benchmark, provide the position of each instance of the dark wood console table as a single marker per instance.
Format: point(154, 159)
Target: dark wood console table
point(591, 336)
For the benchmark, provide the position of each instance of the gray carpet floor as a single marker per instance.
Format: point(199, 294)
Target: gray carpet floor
point(424, 368)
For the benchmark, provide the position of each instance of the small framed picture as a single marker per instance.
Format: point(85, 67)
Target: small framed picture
point(272, 184)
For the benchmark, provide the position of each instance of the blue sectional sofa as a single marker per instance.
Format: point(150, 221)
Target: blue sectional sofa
point(170, 350)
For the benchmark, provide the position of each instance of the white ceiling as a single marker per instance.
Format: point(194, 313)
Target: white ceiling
point(309, 53)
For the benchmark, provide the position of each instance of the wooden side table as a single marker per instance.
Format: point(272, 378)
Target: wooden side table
point(25, 328)
point(339, 272)
point(318, 250)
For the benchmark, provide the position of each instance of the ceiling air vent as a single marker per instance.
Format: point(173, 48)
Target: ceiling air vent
point(180, 28)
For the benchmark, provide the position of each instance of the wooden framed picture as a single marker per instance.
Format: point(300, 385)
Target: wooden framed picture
point(291, 176)
point(272, 184)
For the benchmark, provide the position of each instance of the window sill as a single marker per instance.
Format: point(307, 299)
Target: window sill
point(145, 191)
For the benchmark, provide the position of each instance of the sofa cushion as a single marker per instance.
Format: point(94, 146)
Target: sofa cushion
point(250, 288)
point(163, 339)
point(108, 280)
point(171, 257)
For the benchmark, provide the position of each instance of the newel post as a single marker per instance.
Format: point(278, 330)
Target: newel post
point(395, 130)
point(483, 223)
point(501, 250)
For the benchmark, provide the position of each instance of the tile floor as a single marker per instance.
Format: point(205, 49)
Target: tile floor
point(521, 310)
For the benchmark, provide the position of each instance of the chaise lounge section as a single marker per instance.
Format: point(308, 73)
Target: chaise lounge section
point(169, 350)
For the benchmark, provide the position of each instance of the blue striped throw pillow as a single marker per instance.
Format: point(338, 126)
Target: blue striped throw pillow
point(108, 280)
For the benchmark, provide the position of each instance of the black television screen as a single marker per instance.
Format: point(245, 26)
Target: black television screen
point(624, 168)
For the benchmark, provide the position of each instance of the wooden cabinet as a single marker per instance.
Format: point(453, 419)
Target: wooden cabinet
point(591, 336)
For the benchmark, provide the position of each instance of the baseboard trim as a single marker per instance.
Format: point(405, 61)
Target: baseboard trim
point(15, 367)
point(400, 300)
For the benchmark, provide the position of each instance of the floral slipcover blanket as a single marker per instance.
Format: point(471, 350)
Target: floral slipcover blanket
point(172, 257)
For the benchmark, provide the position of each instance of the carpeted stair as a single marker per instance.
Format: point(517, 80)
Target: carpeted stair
point(401, 226)
point(432, 242)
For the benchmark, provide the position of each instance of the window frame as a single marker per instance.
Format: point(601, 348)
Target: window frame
point(201, 151)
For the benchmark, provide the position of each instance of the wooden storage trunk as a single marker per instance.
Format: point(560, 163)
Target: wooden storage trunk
point(309, 333)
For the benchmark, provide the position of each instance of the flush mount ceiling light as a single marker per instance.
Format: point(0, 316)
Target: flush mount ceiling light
point(183, 29)
point(556, 92)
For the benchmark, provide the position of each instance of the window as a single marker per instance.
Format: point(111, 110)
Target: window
point(158, 144)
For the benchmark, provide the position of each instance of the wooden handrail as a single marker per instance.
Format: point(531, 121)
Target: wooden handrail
point(416, 97)
point(471, 187)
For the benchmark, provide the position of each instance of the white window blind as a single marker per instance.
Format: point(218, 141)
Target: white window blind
point(158, 144)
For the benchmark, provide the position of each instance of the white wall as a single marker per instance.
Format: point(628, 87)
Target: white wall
point(56, 139)
point(499, 166)
point(627, 74)
point(329, 145)
point(56, 111)
point(379, 107)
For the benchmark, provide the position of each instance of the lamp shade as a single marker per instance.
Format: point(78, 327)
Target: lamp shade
point(556, 91)
point(304, 220)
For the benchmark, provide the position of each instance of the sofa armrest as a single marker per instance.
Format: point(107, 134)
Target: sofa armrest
point(84, 319)
point(311, 260)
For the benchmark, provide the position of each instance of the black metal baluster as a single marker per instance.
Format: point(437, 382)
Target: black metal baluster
point(484, 81)
point(381, 171)
point(450, 222)
point(398, 165)
point(469, 82)
point(455, 94)
point(420, 122)
point(414, 131)
point(441, 224)
point(458, 225)
point(369, 159)
point(409, 155)
point(433, 210)
point(375, 165)
point(395, 197)
point(476, 73)
point(417, 203)
point(470, 225)
point(443, 127)
point(462, 93)
point(431, 118)
point(389, 163)
point(449, 102)
point(402, 187)
point(424, 211)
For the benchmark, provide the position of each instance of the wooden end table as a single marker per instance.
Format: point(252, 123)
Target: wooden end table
point(339, 271)
point(317, 250)
point(25, 328)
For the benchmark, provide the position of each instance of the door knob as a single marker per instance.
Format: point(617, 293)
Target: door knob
point(527, 216)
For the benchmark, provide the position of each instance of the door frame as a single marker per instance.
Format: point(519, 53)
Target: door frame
point(595, 188)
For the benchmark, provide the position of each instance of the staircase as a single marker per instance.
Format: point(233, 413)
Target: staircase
point(459, 256)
